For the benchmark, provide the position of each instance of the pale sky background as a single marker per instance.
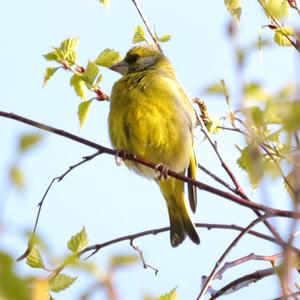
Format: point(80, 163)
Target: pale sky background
point(108, 200)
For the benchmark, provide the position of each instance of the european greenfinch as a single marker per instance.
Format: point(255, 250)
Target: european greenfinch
point(152, 117)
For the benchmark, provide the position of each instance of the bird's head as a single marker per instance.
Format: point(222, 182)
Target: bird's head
point(138, 59)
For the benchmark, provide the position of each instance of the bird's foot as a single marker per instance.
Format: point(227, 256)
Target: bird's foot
point(120, 156)
point(163, 170)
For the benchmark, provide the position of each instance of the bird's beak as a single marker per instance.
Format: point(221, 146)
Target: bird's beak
point(120, 67)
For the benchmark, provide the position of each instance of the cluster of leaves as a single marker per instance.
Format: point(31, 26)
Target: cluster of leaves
point(42, 287)
point(275, 10)
point(83, 78)
point(88, 78)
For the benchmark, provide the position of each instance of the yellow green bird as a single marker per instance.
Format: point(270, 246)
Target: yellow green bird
point(152, 117)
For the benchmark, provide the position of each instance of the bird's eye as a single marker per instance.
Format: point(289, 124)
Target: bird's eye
point(131, 59)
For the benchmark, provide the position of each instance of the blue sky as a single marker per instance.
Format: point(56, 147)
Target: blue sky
point(108, 200)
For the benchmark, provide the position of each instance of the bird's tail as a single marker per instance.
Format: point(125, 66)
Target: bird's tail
point(180, 221)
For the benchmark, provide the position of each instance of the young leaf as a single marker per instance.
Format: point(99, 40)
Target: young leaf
point(172, 295)
point(99, 79)
point(213, 125)
point(281, 34)
point(164, 38)
point(123, 260)
point(255, 91)
point(90, 73)
point(79, 86)
point(17, 177)
point(139, 35)
point(28, 141)
point(48, 74)
point(107, 58)
point(52, 56)
point(234, 7)
point(277, 8)
point(83, 111)
point(61, 282)
point(105, 2)
point(78, 241)
point(215, 88)
point(34, 259)
point(251, 160)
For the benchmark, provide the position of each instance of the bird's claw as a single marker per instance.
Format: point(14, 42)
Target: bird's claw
point(163, 170)
point(120, 156)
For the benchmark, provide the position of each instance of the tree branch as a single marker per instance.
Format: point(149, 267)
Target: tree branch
point(242, 282)
point(226, 252)
point(134, 158)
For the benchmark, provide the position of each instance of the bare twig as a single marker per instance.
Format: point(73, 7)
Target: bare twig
point(239, 190)
point(226, 252)
point(40, 204)
point(140, 252)
point(252, 256)
point(242, 282)
point(148, 27)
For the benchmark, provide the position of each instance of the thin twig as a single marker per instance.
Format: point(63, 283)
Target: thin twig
point(239, 190)
point(252, 256)
point(242, 282)
point(148, 27)
point(140, 252)
point(216, 178)
point(226, 252)
point(40, 204)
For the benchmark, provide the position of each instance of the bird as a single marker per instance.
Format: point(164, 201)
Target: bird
point(152, 117)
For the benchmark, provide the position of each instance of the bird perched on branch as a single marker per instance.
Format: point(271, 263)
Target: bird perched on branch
point(152, 117)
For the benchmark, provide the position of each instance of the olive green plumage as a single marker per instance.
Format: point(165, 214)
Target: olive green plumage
point(152, 117)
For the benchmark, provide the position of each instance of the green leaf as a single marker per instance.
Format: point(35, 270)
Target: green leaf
point(90, 73)
point(213, 125)
point(293, 185)
point(48, 74)
point(164, 38)
point(215, 88)
point(123, 260)
point(106, 3)
point(52, 56)
point(281, 34)
point(99, 79)
point(83, 111)
point(169, 296)
point(107, 58)
point(277, 8)
point(78, 241)
point(139, 35)
point(28, 141)
point(251, 160)
point(61, 282)
point(255, 91)
point(12, 287)
point(34, 259)
point(234, 7)
point(79, 86)
point(17, 177)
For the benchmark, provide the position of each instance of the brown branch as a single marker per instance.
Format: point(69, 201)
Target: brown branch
point(239, 190)
point(226, 252)
point(243, 282)
point(95, 248)
point(252, 256)
point(198, 184)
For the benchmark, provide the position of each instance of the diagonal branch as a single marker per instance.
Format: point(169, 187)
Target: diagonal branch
point(226, 252)
point(148, 27)
point(134, 158)
point(243, 282)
